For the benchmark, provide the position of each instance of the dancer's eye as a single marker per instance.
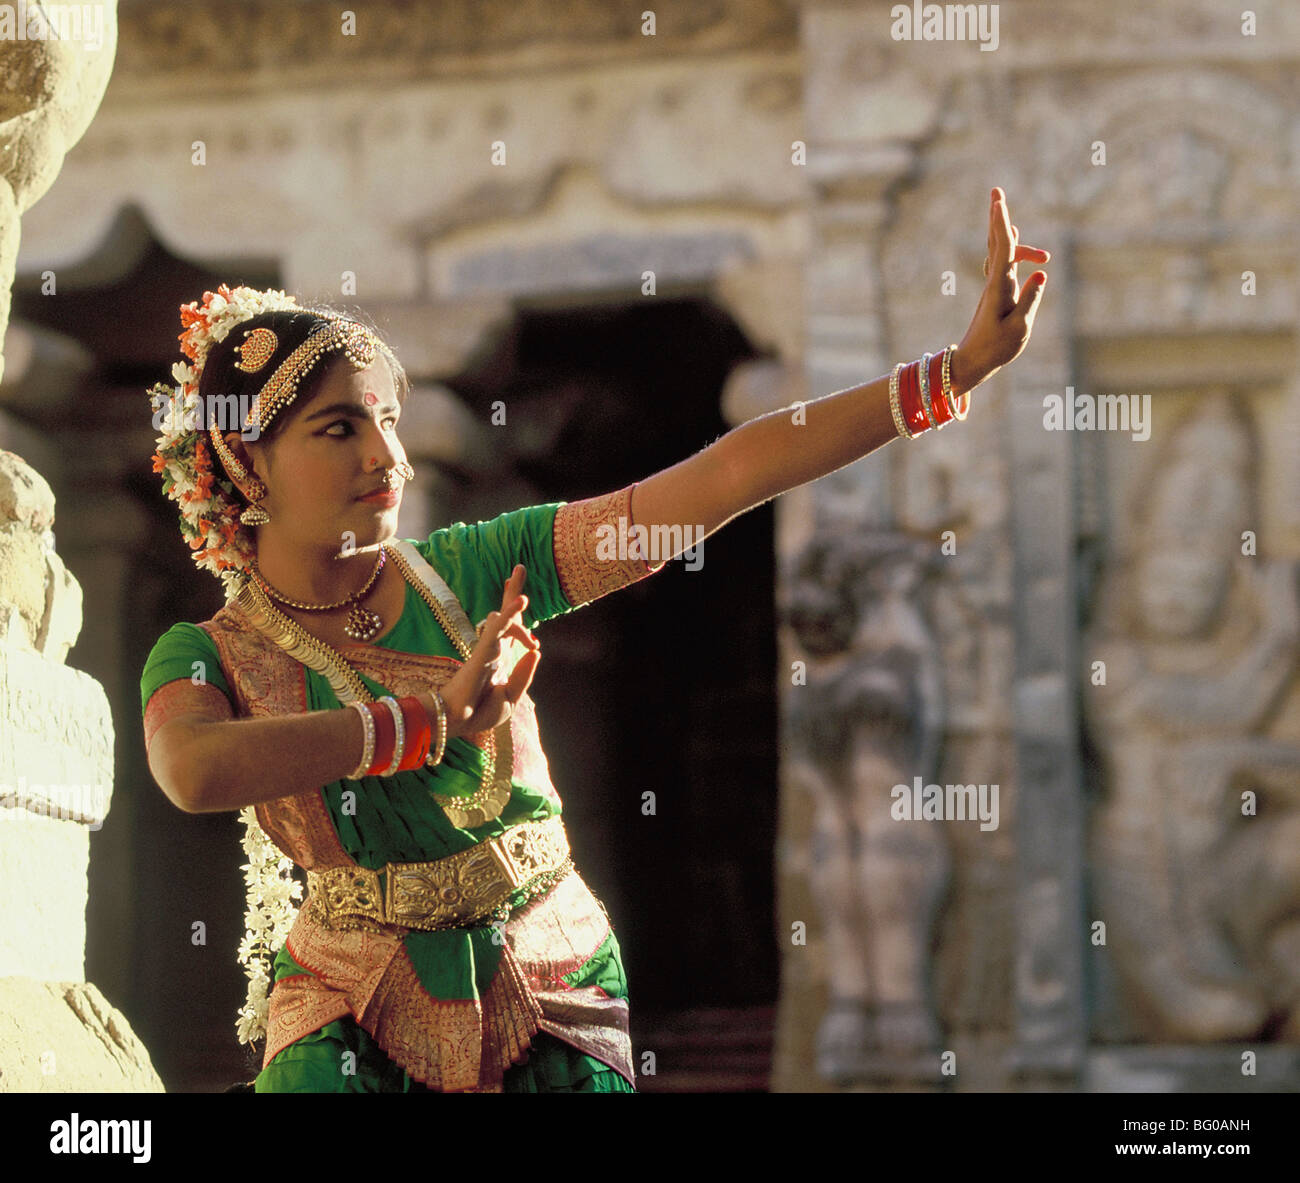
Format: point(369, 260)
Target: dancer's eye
point(390, 425)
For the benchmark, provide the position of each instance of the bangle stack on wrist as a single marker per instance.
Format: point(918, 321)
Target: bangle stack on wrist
point(921, 395)
point(397, 735)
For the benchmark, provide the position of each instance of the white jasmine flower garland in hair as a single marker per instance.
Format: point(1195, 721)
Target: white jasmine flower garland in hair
point(209, 503)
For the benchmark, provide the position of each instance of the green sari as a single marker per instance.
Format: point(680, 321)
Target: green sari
point(379, 820)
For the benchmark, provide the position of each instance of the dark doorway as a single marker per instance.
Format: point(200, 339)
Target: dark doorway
point(667, 687)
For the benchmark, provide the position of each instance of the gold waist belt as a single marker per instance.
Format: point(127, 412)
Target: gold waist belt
point(459, 890)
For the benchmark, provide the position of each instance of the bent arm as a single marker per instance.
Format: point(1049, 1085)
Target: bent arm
point(205, 761)
point(772, 454)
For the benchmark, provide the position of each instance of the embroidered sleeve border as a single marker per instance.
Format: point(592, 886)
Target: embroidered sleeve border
point(597, 549)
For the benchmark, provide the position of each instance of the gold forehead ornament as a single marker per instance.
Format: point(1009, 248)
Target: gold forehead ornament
point(357, 343)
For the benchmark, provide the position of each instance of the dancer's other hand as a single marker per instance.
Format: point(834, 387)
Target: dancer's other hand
point(1004, 317)
point(475, 699)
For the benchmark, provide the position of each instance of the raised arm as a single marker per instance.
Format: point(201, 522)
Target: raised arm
point(782, 450)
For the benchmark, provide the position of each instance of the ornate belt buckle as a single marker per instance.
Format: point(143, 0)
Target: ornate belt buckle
point(348, 891)
point(448, 893)
point(419, 897)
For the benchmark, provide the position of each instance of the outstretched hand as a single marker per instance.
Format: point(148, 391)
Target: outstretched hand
point(1004, 318)
point(475, 698)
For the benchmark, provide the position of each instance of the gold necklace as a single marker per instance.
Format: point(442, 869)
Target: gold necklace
point(361, 624)
point(494, 792)
point(495, 788)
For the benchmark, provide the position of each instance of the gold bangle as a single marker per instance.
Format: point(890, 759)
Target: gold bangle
point(435, 757)
point(957, 413)
point(894, 408)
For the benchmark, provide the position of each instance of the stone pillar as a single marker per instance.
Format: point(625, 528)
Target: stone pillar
point(50, 88)
point(57, 1031)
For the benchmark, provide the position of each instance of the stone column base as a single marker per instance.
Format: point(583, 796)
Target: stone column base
point(64, 1037)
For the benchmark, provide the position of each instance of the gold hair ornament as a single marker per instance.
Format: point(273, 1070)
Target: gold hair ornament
point(258, 348)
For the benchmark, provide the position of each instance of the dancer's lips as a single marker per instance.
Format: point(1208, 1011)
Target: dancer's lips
point(382, 496)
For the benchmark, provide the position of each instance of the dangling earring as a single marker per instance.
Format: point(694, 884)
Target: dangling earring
point(255, 514)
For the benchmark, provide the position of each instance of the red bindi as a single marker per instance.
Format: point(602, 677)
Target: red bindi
point(371, 398)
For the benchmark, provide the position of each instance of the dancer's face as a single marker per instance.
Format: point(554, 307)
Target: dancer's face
point(323, 466)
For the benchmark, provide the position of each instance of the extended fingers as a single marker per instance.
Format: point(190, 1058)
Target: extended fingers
point(1005, 247)
point(522, 675)
point(517, 632)
point(497, 625)
point(485, 654)
point(1022, 253)
point(514, 585)
point(497, 630)
point(1001, 231)
point(511, 607)
point(532, 649)
point(503, 624)
point(1031, 254)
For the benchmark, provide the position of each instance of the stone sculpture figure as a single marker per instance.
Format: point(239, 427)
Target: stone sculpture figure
point(1196, 841)
point(869, 718)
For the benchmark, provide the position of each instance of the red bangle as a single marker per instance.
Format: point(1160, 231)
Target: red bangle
point(910, 399)
point(938, 404)
point(418, 733)
point(385, 738)
point(905, 403)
